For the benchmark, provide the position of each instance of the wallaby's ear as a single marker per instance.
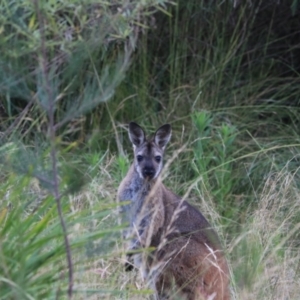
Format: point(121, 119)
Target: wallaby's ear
point(136, 134)
point(163, 135)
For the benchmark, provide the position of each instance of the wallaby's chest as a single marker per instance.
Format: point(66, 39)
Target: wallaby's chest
point(136, 192)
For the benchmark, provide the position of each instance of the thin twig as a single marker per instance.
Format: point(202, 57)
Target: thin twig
point(17, 121)
point(53, 153)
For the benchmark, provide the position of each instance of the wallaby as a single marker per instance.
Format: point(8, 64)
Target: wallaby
point(182, 257)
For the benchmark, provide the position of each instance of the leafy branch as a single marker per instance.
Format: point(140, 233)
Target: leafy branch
point(43, 60)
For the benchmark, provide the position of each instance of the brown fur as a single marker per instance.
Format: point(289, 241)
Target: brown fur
point(188, 261)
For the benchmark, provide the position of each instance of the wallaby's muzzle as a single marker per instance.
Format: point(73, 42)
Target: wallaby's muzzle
point(148, 172)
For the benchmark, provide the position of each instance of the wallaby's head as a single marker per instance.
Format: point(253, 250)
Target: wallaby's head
point(148, 153)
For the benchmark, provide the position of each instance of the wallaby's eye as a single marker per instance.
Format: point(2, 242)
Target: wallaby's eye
point(139, 158)
point(158, 159)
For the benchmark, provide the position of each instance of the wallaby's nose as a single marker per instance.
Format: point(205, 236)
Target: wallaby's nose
point(148, 172)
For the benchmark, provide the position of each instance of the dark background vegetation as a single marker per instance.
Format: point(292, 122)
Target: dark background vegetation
point(224, 74)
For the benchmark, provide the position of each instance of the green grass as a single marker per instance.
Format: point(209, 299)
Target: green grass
point(260, 241)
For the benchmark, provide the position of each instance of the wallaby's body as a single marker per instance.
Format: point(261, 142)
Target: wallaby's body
point(187, 253)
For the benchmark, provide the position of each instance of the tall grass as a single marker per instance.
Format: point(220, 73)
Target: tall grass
point(225, 74)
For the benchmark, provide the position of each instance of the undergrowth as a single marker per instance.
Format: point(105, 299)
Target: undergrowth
point(224, 74)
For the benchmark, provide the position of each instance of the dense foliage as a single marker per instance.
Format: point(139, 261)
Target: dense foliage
point(224, 74)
